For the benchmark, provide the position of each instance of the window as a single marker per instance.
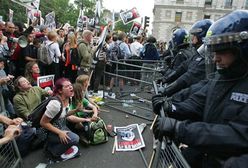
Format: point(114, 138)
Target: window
point(208, 2)
point(178, 17)
point(206, 17)
point(228, 3)
point(246, 4)
point(179, 1)
point(189, 15)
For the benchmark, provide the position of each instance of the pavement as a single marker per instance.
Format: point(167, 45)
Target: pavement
point(122, 112)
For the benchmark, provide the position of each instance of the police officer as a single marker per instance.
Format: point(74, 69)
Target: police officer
point(193, 69)
point(179, 48)
point(214, 120)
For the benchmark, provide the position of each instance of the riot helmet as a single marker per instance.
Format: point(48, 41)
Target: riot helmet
point(199, 29)
point(229, 36)
point(179, 37)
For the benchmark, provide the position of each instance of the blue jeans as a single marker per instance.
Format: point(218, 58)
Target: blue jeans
point(54, 145)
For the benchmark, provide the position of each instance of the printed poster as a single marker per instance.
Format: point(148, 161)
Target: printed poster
point(46, 82)
point(129, 15)
point(128, 138)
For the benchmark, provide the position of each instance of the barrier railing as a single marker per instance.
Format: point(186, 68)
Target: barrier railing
point(10, 156)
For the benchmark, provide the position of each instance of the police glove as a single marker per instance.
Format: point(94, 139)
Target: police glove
point(165, 126)
point(162, 80)
point(159, 101)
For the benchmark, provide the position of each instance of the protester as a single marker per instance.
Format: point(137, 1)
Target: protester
point(32, 72)
point(214, 119)
point(27, 97)
point(60, 141)
point(84, 81)
point(148, 54)
point(70, 52)
point(85, 52)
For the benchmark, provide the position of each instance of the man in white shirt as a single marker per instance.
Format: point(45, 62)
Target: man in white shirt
point(136, 46)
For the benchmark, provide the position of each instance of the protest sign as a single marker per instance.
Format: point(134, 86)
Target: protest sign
point(46, 82)
point(135, 28)
point(50, 20)
point(128, 138)
point(11, 14)
point(129, 15)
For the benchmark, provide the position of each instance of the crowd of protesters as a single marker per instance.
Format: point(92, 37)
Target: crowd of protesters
point(72, 54)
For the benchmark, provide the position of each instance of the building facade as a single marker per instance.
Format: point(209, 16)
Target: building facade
point(171, 14)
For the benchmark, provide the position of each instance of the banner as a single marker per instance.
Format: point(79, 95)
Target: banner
point(135, 29)
point(128, 138)
point(129, 15)
point(30, 4)
point(50, 21)
point(11, 13)
point(46, 82)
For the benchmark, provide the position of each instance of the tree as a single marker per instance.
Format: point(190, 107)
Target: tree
point(19, 11)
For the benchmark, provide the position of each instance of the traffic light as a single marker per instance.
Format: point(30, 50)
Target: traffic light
point(147, 20)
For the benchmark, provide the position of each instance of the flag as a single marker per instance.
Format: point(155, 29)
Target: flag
point(129, 15)
point(97, 12)
point(30, 4)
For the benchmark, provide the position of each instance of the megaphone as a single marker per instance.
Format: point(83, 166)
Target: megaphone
point(22, 41)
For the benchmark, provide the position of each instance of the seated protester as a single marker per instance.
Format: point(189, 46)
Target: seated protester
point(27, 97)
point(12, 130)
point(84, 81)
point(79, 122)
point(80, 98)
point(59, 138)
point(32, 72)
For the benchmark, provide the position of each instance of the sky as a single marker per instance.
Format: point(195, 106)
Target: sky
point(144, 7)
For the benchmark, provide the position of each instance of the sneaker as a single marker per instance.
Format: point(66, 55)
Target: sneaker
point(72, 152)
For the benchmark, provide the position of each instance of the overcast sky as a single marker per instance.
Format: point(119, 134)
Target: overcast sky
point(144, 7)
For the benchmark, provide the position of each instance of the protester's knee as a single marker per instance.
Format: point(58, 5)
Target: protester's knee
point(74, 138)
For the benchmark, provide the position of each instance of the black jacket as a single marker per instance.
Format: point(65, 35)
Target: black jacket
point(189, 72)
point(217, 119)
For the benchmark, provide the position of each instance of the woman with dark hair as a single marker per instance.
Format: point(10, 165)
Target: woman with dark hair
point(60, 141)
point(32, 72)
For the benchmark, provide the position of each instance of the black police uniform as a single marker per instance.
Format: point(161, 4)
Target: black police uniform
point(222, 106)
point(191, 71)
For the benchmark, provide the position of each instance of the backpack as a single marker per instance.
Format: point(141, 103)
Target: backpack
point(97, 132)
point(75, 59)
point(115, 52)
point(44, 54)
point(38, 112)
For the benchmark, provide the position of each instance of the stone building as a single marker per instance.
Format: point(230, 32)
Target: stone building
point(170, 14)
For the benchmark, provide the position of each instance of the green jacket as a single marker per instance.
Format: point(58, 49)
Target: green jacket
point(25, 102)
point(85, 54)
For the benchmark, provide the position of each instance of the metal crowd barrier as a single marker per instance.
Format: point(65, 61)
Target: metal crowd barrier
point(166, 153)
point(10, 156)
